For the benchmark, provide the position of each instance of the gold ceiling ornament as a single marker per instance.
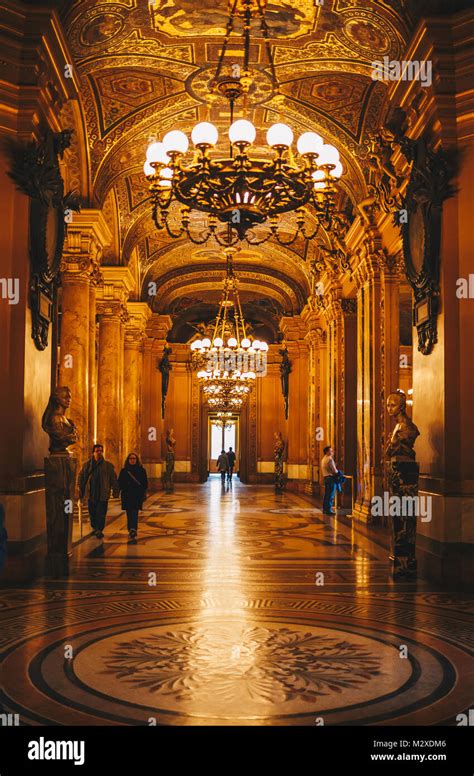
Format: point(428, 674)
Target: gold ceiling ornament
point(240, 191)
point(228, 364)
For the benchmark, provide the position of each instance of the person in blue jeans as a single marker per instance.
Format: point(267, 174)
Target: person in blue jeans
point(329, 471)
point(96, 480)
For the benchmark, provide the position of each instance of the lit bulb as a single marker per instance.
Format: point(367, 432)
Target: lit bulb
point(256, 344)
point(156, 152)
point(148, 169)
point(218, 342)
point(309, 143)
point(279, 135)
point(176, 141)
point(319, 175)
point(328, 155)
point(232, 342)
point(337, 172)
point(166, 173)
point(264, 346)
point(245, 343)
point(206, 343)
point(204, 134)
point(242, 131)
point(320, 186)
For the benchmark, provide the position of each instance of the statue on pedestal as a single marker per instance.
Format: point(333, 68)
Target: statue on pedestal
point(403, 476)
point(61, 430)
point(60, 469)
point(170, 459)
point(279, 451)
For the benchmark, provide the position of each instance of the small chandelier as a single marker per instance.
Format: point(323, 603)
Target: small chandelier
point(240, 191)
point(227, 365)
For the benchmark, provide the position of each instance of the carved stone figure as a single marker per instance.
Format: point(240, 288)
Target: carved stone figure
point(61, 430)
point(165, 368)
point(403, 476)
point(168, 474)
point(285, 369)
point(279, 451)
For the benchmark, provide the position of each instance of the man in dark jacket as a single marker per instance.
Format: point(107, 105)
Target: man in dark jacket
point(231, 459)
point(96, 480)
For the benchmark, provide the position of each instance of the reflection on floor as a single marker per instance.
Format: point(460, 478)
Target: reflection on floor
point(235, 607)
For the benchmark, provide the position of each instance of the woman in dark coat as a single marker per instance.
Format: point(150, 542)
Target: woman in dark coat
point(133, 484)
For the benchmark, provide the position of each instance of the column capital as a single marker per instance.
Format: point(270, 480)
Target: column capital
point(86, 237)
point(159, 326)
point(135, 330)
point(293, 327)
point(112, 309)
point(113, 292)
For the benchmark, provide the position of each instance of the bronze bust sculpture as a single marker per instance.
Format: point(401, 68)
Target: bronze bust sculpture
point(405, 432)
point(61, 430)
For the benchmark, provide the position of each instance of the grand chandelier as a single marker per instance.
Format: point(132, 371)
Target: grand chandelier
point(227, 365)
point(246, 194)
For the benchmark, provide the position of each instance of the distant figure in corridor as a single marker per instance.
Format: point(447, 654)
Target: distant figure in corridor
point(231, 459)
point(133, 483)
point(330, 472)
point(96, 479)
point(223, 465)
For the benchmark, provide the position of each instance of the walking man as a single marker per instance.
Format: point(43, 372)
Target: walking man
point(329, 471)
point(96, 480)
point(231, 460)
point(223, 465)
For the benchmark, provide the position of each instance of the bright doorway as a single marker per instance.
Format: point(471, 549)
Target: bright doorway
point(223, 432)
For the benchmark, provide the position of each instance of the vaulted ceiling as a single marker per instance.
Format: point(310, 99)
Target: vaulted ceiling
point(145, 67)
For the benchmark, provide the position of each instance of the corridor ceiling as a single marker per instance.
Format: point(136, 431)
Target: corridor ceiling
point(144, 68)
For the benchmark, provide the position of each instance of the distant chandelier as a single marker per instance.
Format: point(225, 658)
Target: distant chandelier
point(227, 365)
point(239, 191)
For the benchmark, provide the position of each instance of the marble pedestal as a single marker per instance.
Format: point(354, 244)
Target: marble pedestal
point(60, 471)
point(168, 474)
point(403, 479)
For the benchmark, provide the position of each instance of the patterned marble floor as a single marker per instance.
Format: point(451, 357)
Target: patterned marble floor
point(240, 607)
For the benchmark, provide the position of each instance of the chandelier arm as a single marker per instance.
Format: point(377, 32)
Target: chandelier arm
point(173, 235)
point(313, 234)
point(286, 242)
point(196, 240)
point(154, 214)
point(260, 242)
point(228, 243)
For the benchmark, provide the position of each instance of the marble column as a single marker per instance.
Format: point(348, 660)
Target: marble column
point(86, 237)
point(370, 356)
point(152, 424)
point(139, 313)
point(109, 412)
point(294, 330)
point(74, 346)
point(316, 339)
point(95, 280)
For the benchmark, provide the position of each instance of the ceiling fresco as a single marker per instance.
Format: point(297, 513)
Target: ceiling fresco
point(145, 68)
